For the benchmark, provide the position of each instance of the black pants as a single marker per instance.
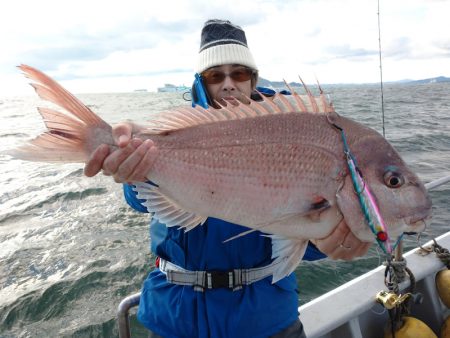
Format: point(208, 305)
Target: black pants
point(293, 331)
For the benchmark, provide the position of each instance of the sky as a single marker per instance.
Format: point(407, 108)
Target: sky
point(119, 46)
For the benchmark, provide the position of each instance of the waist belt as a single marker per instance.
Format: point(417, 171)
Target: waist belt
point(201, 280)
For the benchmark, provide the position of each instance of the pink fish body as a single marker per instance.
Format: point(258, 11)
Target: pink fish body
point(276, 166)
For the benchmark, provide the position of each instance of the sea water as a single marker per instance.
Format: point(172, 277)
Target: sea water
point(71, 249)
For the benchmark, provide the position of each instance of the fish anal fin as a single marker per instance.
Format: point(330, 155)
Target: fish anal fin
point(287, 254)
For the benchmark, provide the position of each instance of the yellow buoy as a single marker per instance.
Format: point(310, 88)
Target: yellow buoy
point(445, 329)
point(443, 286)
point(412, 328)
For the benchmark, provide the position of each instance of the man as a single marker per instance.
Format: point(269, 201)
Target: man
point(191, 293)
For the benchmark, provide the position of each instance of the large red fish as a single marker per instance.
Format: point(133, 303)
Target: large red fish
point(277, 166)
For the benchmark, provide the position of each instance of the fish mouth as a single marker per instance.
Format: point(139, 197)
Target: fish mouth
point(417, 223)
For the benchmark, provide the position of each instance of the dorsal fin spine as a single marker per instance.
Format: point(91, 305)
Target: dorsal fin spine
point(246, 112)
point(258, 108)
point(222, 114)
point(194, 114)
point(207, 113)
point(300, 104)
point(181, 118)
point(310, 96)
point(323, 99)
point(271, 104)
point(232, 114)
point(286, 102)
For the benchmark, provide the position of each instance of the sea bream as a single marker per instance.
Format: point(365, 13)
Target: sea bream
point(277, 166)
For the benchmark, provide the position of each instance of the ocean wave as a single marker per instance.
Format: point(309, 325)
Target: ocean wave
point(40, 202)
point(19, 135)
point(72, 249)
point(40, 311)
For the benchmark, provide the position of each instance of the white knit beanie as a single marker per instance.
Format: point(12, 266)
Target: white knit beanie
point(223, 43)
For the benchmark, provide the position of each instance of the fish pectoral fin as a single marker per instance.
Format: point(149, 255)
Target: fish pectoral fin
point(319, 205)
point(164, 209)
point(288, 253)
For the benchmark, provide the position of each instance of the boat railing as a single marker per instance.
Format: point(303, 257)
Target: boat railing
point(123, 320)
point(131, 301)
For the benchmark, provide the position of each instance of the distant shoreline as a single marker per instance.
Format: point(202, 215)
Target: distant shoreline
point(280, 84)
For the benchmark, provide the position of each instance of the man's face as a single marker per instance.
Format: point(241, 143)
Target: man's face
point(228, 82)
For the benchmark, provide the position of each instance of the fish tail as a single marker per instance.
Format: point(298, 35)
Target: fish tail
point(71, 135)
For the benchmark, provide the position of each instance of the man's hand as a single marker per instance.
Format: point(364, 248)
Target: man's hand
point(95, 162)
point(342, 244)
point(130, 162)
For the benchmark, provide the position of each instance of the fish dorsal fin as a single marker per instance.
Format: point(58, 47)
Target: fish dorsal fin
point(164, 209)
point(288, 253)
point(185, 117)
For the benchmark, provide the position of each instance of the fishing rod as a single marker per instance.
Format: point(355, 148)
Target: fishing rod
point(398, 255)
point(381, 68)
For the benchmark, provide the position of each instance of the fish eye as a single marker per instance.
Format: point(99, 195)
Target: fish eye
point(393, 179)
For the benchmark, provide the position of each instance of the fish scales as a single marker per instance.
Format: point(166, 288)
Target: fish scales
point(238, 163)
point(268, 165)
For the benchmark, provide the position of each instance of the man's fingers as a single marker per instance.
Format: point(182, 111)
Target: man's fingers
point(122, 134)
point(144, 166)
point(349, 253)
point(95, 162)
point(341, 243)
point(126, 172)
point(329, 244)
point(350, 247)
point(115, 160)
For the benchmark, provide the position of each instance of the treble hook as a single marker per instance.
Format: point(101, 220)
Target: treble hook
point(427, 250)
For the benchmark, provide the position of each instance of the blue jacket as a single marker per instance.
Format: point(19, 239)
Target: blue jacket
point(175, 311)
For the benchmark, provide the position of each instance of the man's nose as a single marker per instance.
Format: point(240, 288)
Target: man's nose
point(228, 83)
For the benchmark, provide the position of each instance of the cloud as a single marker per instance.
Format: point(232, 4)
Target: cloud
point(399, 48)
point(348, 52)
point(106, 40)
point(444, 47)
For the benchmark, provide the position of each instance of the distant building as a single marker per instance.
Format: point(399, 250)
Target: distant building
point(170, 88)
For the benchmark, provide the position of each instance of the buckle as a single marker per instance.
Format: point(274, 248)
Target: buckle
point(220, 279)
point(223, 279)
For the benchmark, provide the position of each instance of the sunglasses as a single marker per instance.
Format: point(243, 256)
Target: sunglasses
point(216, 76)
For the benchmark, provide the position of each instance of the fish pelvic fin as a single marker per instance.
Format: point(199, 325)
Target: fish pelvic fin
point(70, 133)
point(164, 209)
point(288, 253)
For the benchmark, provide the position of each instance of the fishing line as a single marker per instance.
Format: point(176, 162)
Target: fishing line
point(381, 68)
point(380, 255)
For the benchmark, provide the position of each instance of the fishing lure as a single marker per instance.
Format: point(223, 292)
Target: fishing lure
point(367, 202)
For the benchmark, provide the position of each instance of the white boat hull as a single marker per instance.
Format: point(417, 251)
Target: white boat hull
point(351, 311)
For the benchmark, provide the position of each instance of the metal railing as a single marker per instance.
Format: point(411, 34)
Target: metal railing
point(131, 301)
point(123, 322)
point(437, 183)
